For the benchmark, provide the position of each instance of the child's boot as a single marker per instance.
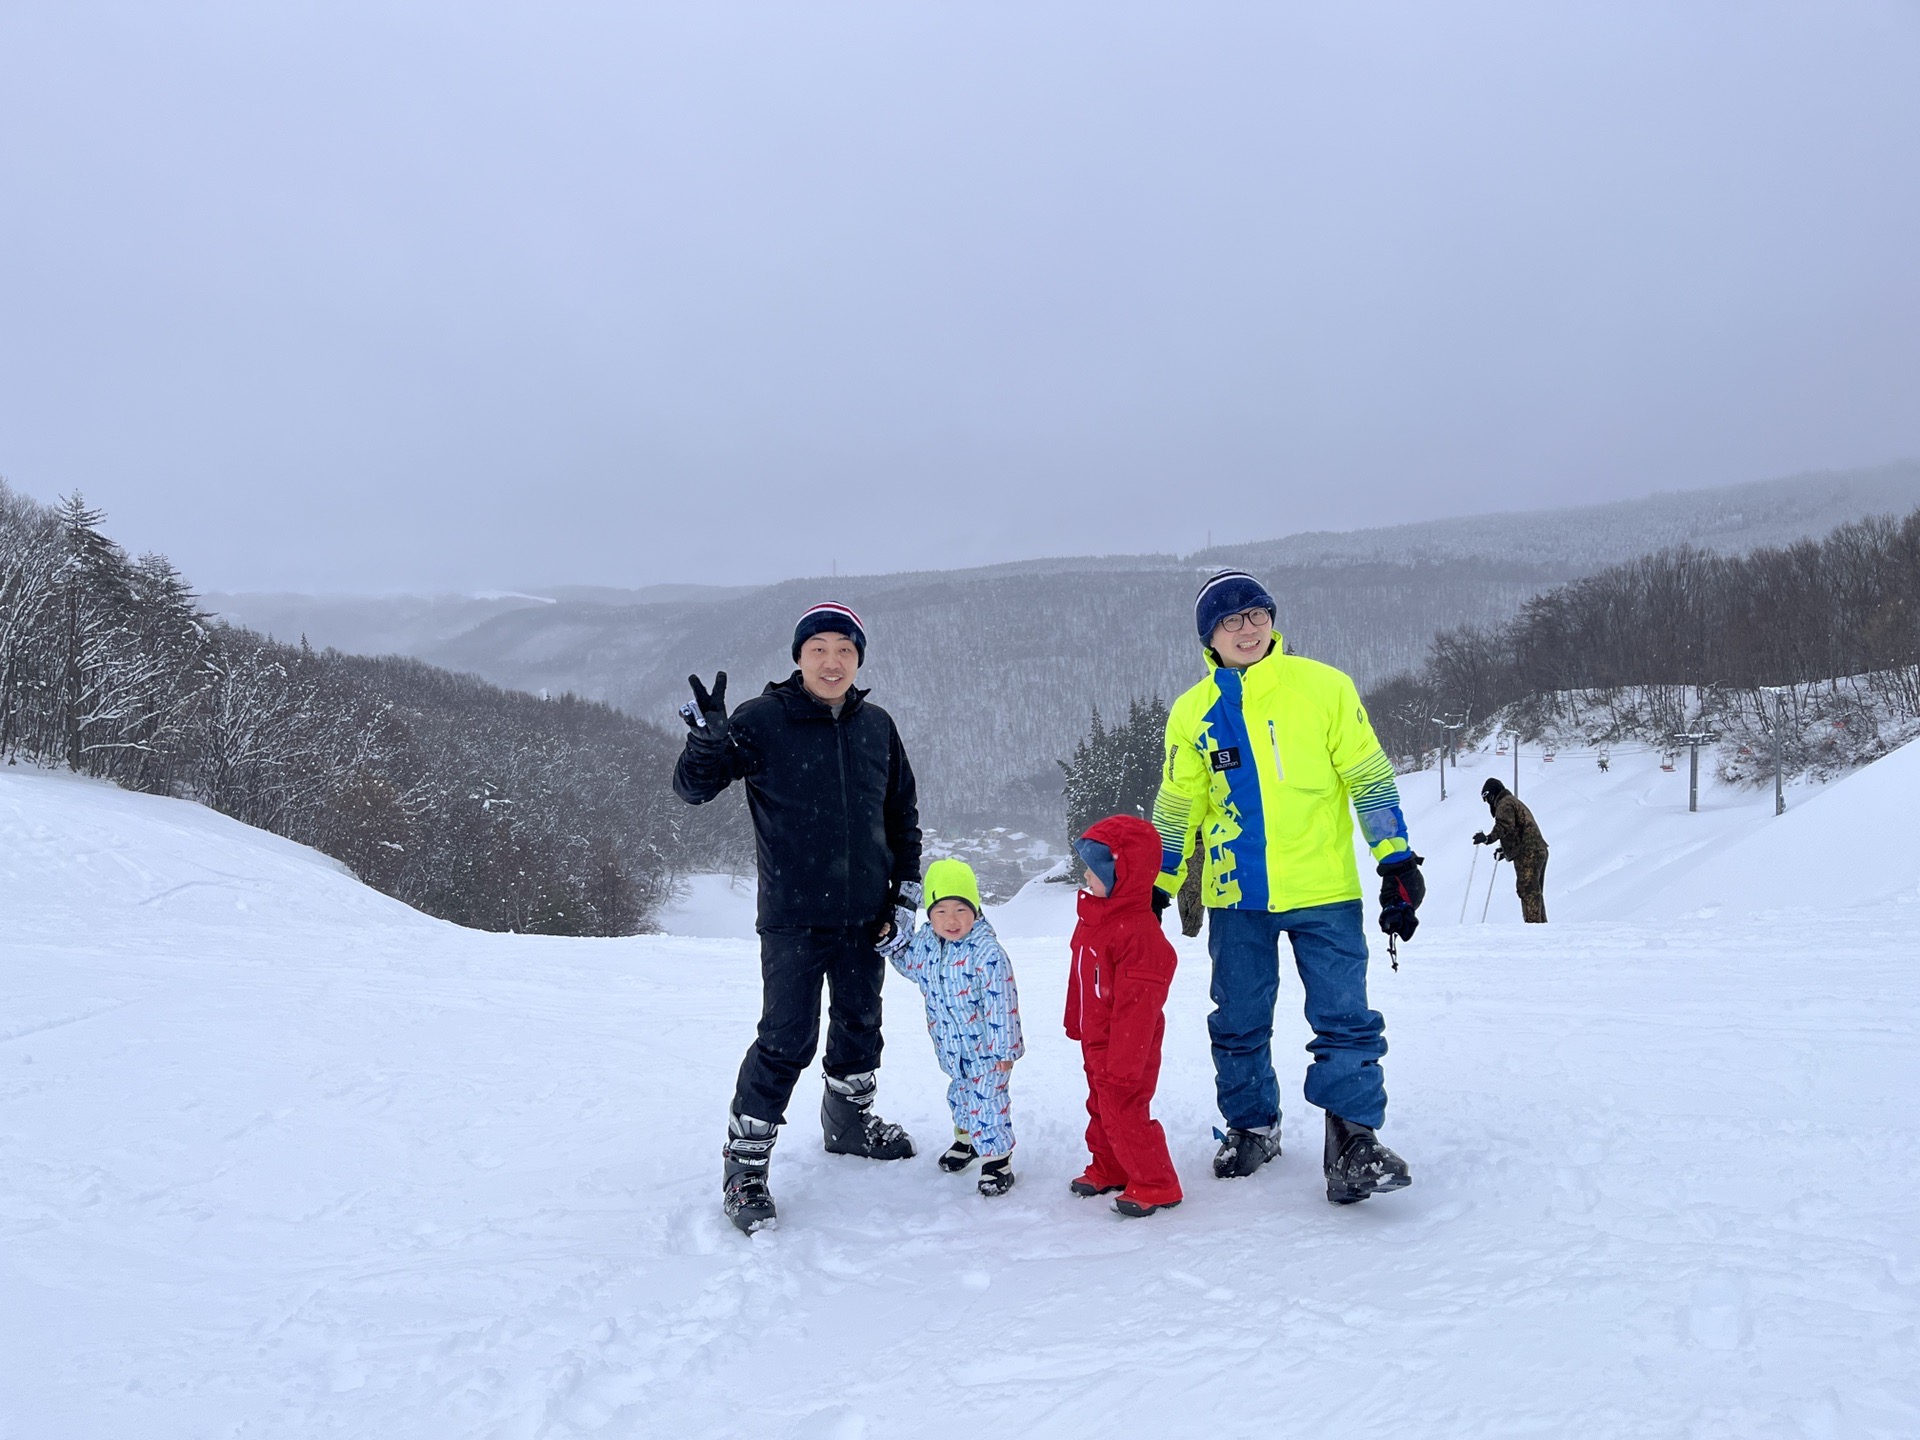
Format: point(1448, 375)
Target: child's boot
point(744, 1196)
point(1093, 1182)
point(959, 1155)
point(1136, 1206)
point(846, 1115)
point(996, 1176)
point(1358, 1165)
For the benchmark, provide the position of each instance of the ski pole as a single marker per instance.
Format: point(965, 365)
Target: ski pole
point(1490, 884)
point(1466, 898)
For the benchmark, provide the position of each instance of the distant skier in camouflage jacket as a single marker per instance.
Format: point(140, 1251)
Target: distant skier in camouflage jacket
point(1518, 835)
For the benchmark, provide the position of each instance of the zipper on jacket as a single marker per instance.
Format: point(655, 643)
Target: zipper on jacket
point(846, 804)
point(1273, 739)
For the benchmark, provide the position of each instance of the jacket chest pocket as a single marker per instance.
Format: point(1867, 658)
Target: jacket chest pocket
point(1300, 759)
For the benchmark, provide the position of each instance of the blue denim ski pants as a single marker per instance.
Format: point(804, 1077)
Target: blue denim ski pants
point(1330, 952)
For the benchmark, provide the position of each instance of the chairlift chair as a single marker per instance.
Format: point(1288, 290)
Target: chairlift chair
point(1548, 754)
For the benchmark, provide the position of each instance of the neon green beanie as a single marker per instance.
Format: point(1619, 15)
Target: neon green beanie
point(951, 880)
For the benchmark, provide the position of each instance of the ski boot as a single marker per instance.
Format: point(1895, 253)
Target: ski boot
point(1358, 1165)
point(959, 1155)
point(996, 1176)
point(743, 1190)
point(846, 1115)
point(1243, 1151)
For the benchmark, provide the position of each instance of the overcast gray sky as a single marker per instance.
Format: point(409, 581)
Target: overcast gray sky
point(423, 295)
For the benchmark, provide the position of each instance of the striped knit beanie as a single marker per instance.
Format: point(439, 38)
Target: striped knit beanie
point(1228, 593)
point(838, 619)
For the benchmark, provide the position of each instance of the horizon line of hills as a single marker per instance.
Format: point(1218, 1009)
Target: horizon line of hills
point(1068, 636)
point(1729, 518)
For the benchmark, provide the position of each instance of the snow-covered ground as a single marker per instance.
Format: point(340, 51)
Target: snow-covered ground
point(279, 1157)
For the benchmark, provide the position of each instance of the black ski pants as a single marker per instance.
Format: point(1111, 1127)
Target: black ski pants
point(793, 962)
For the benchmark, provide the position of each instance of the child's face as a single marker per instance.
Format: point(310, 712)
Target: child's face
point(1094, 886)
point(951, 919)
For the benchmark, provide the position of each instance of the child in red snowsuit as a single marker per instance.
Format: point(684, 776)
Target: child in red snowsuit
point(1116, 993)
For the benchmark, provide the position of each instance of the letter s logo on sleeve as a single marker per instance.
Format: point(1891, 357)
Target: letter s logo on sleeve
point(1226, 758)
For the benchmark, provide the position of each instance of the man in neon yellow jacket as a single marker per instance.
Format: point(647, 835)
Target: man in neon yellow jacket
point(1268, 760)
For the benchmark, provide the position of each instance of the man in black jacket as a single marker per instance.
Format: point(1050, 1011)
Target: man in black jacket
point(836, 829)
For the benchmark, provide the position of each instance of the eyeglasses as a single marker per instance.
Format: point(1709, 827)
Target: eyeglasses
point(1258, 619)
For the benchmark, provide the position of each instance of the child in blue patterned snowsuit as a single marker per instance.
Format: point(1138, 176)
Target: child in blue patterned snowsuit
point(973, 1014)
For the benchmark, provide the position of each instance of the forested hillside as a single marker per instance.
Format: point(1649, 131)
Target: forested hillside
point(1813, 647)
point(991, 677)
point(489, 807)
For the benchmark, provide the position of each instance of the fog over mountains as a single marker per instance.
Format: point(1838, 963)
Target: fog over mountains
point(992, 672)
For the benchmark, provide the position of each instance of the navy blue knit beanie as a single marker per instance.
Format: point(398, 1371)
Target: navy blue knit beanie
point(1098, 858)
point(829, 617)
point(1228, 593)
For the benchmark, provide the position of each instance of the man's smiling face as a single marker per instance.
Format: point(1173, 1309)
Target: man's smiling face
point(828, 663)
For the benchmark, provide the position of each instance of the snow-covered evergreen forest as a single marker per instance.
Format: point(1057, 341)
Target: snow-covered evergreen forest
point(1814, 646)
point(489, 807)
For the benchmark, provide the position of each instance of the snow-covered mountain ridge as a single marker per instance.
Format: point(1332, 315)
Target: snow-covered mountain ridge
point(1068, 634)
point(281, 1157)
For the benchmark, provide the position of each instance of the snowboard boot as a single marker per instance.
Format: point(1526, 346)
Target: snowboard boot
point(1358, 1165)
point(996, 1176)
point(846, 1115)
point(959, 1155)
point(1086, 1187)
point(743, 1190)
point(1244, 1151)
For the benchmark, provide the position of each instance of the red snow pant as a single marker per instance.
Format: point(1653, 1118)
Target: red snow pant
point(1128, 1146)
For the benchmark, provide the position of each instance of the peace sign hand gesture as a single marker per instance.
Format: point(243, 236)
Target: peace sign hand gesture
point(706, 713)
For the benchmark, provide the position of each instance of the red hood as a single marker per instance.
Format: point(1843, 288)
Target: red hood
point(1136, 858)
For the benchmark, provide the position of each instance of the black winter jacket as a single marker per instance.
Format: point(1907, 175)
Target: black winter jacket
point(836, 819)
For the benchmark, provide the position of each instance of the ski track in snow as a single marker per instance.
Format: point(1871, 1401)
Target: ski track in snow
point(322, 1167)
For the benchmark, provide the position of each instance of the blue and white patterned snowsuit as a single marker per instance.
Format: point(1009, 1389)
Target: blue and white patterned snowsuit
point(973, 1014)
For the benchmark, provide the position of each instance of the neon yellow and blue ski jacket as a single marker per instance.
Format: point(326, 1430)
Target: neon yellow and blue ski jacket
point(1263, 764)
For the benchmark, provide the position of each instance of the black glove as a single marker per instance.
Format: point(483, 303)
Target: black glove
point(1401, 891)
point(1160, 902)
point(1501, 853)
point(1480, 837)
point(706, 714)
point(893, 933)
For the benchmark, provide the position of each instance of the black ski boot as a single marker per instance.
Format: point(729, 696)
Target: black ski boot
point(1244, 1151)
point(996, 1176)
point(846, 1115)
point(1358, 1165)
point(959, 1155)
point(743, 1192)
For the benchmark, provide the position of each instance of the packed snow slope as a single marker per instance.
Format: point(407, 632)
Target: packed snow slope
point(1624, 844)
point(279, 1157)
